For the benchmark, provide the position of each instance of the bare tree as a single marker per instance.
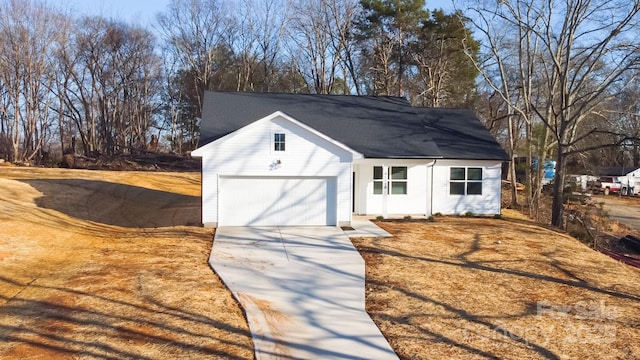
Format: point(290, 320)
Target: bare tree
point(346, 13)
point(171, 96)
point(626, 117)
point(257, 38)
point(243, 38)
point(319, 32)
point(623, 115)
point(109, 80)
point(195, 32)
point(506, 64)
point(583, 50)
point(28, 36)
point(315, 58)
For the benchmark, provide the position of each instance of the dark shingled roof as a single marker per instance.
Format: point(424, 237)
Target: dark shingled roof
point(615, 170)
point(377, 127)
point(459, 134)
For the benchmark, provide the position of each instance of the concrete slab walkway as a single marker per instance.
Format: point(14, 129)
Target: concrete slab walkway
point(303, 291)
point(363, 227)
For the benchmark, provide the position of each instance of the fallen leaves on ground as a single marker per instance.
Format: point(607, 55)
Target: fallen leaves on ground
point(478, 288)
point(108, 265)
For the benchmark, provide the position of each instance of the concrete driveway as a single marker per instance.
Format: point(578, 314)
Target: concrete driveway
point(303, 291)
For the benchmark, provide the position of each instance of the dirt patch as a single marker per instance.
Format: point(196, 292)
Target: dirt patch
point(488, 288)
point(99, 264)
point(138, 161)
point(270, 321)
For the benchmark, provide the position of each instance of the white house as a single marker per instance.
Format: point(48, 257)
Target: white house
point(298, 159)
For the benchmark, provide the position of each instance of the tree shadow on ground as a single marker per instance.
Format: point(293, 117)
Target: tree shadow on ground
point(480, 331)
point(112, 329)
point(117, 204)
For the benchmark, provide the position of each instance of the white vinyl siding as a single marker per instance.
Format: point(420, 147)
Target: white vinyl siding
point(249, 152)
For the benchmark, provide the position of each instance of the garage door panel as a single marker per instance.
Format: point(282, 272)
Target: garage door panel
point(268, 201)
point(239, 198)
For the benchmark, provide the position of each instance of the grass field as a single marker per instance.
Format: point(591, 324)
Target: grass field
point(112, 265)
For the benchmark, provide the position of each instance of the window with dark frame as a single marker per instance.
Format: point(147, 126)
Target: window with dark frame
point(278, 142)
point(377, 180)
point(465, 181)
point(397, 180)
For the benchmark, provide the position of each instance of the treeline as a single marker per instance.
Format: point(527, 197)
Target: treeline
point(95, 85)
point(61, 79)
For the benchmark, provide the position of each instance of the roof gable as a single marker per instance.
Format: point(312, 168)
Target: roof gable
point(200, 151)
point(376, 127)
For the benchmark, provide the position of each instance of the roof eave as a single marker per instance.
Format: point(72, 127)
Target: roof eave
point(404, 157)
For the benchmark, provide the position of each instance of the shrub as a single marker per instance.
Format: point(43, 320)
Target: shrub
point(468, 214)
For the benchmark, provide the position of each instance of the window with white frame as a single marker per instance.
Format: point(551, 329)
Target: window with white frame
point(278, 142)
point(465, 181)
point(397, 180)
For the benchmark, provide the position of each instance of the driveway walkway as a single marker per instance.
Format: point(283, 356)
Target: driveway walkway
point(303, 291)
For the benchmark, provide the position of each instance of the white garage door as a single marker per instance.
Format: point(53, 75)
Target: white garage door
point(270, 201)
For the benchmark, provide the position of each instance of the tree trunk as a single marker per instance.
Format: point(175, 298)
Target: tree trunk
point(528, 170)
point(557, 208)
point(512, 175)
point(512, 165)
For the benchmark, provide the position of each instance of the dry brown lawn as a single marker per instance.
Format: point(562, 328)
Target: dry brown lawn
point(111, 265)
point(108, 265)
point(487, 288)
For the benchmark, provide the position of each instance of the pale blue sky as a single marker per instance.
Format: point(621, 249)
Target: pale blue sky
point(143, 12)
point(140, 12)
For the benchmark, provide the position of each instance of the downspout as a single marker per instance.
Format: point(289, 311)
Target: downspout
point(202, 191)
point(202, 181)
point(431, 194)
point(217, 200)
point(500, 192)
point(352, 181)
point(385, 190)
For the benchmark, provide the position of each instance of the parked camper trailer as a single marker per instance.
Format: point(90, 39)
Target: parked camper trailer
point(630, 183)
